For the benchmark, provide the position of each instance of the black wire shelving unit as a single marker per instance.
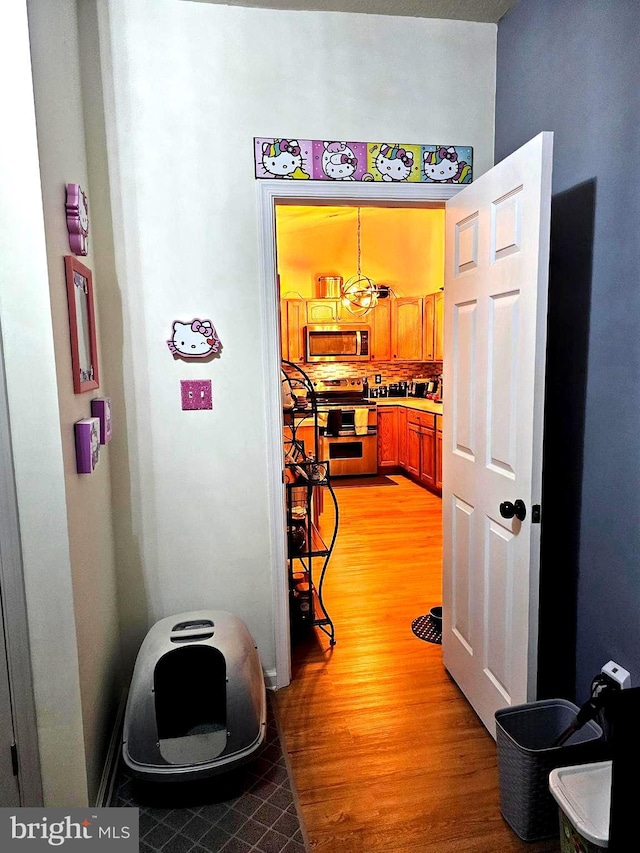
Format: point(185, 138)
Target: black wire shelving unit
point(308, 552)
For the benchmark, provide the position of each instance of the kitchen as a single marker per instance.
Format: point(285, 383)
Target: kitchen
point(361, 326)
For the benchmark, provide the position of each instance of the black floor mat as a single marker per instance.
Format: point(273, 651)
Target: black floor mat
point(248, 810)
point(426, 628)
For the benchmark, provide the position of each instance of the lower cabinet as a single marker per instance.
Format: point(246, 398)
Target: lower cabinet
point(411, 440)
point(428, 453)
point(388, 438)
point(439, 453)
point(413, 448)
point(402, 436)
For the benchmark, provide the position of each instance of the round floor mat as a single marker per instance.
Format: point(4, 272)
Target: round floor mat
point(425, 628)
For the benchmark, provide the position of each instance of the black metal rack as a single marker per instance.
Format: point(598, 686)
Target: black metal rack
point(305, 474)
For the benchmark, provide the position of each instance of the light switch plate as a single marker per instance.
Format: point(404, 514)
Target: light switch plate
point(196, 394)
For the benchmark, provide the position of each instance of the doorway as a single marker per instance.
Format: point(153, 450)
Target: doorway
point(378, 421)
point(270, 194)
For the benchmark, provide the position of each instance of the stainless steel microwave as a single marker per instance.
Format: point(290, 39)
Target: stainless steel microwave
point(344, 342)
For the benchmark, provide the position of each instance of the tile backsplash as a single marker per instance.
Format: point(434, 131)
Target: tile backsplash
point(390, 371)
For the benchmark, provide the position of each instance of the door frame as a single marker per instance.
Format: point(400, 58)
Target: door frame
point(270, 193)
point(13, 618)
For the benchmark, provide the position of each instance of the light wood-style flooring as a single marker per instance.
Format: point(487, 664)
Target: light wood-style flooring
point(387, 754)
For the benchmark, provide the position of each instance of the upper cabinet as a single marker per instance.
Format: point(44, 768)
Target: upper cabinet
point(293, 319)
point(433, 326)
point(406, 328)
point(380, 321)
point(438, 333)
point(324, 311)
point(429, 310)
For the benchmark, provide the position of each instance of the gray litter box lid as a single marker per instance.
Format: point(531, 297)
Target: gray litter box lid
point(214, 651)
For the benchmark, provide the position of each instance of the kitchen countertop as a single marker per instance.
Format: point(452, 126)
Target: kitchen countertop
point(410, 403)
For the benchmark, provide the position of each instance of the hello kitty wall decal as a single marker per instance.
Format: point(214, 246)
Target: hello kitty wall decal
point(331, 160)
point(77, 209)
point(193, 339)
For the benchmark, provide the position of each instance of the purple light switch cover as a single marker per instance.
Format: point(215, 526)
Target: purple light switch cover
point(87, 444)
point(196, 394)
point(101, 409)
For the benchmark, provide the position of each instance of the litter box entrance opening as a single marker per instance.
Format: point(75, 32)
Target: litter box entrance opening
point(191, 704)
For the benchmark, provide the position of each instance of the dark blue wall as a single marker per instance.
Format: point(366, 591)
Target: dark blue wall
point(573, 67)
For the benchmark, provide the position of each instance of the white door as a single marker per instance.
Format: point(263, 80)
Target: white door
point(496, 269)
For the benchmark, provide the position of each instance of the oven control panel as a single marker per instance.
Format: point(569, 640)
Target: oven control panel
point(354, 384)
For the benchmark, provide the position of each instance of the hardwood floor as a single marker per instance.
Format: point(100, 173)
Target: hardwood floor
point(387, 754)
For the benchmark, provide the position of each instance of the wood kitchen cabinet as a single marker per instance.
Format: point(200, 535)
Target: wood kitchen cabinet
point(406, 328)
point(292, 323)
point(324, 311)
point(429, 317)
point(412, 440)
point(428, 450)
point(439, 453)
point(438, 329)
point(413, 448)
point(421, 447)
point(432, 337)
point(388, 438)
point(402, 436)
point(380, 321)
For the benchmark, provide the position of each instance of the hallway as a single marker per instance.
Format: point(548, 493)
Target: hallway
point(387, 755)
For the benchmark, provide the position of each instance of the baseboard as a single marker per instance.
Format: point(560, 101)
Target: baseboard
point(110, 768)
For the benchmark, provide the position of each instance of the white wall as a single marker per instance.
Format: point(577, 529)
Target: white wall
point(190, 85)
point(61, 142)
point(25, 320)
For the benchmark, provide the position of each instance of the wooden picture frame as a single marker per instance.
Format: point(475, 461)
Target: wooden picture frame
point(82, 326)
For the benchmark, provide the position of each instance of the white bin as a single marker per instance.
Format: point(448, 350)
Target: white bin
point(583, 793)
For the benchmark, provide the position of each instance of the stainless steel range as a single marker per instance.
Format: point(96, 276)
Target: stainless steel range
point(348, 427)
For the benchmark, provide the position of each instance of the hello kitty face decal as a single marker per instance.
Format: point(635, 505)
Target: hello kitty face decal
point(394, 163)
point(194, 339)
point(77, 208)
point(335, 160)
point(443, 166)
point(283, 159)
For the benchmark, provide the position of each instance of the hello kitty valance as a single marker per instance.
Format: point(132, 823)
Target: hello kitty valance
point(331, 160)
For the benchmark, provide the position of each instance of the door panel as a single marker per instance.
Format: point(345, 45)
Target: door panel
point(498, 579)
point(465, 347)
point(496, 269)
point(502, 395)
point(461, 612)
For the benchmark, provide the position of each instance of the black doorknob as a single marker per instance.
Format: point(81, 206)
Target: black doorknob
point(508, 509)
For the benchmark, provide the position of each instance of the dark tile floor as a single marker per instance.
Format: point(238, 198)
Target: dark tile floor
point(249, 809)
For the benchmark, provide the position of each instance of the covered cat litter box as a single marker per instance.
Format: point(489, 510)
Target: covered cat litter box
point(197, 701)
point(583, 794)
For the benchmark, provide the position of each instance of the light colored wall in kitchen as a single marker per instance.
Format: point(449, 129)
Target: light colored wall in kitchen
point(402, 248)
point(188, 86)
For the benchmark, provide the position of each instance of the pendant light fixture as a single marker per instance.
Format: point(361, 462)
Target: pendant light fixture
point(359, 293)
